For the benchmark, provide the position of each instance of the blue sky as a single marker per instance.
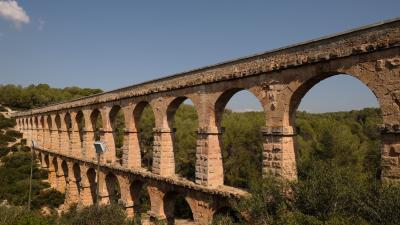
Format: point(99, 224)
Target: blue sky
point(110, 44)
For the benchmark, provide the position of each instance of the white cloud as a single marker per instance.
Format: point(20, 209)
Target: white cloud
point(41, 24)
point(10, 10)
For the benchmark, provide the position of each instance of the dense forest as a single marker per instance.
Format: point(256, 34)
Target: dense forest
point(338, 166)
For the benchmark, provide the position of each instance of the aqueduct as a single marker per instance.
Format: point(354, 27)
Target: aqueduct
point(279, 79)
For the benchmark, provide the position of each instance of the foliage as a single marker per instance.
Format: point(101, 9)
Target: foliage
point(242, 145)
point(95, 215)
point(14, 182)
point(185, 137)
point(3, 109)
point(20, 216)
point(146, 138)
point(19, 97)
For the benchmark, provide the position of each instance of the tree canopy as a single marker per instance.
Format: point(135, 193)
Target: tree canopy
point(18, 97)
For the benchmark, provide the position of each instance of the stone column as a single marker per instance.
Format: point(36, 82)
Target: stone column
point(107, 135)
point(61, 177)
point(156, 202)
point(279, 156)
point(54, 145)
point(46, 133)
point(76, 148)
point(163, 152)
point(126, 198)
point(23, 128)
point(203, 207)
point(64, 137)
point(104, 197)
point(88, 136)
point(34, 132)
point(209, 168)
point(85, 193)
point(390, 145)
point(28, 134)
point(39, 131)
point(43, 161)
point(52, 174)
point(131, 157)
point(72, 192)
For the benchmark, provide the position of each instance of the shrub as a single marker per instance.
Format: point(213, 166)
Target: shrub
point(4, 151)
point(20, 216)
point(95, 215)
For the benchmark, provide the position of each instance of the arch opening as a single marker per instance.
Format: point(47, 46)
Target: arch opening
point(92, 178)
point(97, 124)
point(113, 188)
point(336, 129)
point(77, 175)
point(57, 125)
point(55, 164)
point(177, 209)
point(46, 161)
point(68, 125)
point(242, 140)
point(49, 123)
point(64, 168)
point(49, 131)
point(35, 122)
point(40, 157)
point(145, 122)
point(140, 197)
point(117, 120)
point(183, 120)
point(80, 121)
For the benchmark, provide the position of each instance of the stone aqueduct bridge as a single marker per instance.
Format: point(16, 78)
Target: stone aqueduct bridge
point(279, 79)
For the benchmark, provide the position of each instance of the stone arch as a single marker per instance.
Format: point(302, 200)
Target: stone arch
point(80, 121)
point(36, 121)
point(173, 107)
point(97, 123)
point(305, 86)
point(46, 161)
point(113, 188)
point(64, 168)
point(58, 121)
point(144, 123)
point(42, 121)
point(118, 125)
point(77, 178)
point(177, 206)
point(226, 96)
point(135, 189)
point(225, 122)
point(55, 164)
point(92, 179)
point(49, 123)
point(35, 129)
point(297, 89)
point(185, 157)
point(141, 197)
point(68, 127)
point(39, 155)
point(59, 131)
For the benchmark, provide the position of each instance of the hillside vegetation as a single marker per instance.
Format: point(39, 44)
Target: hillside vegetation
point(18, 97)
